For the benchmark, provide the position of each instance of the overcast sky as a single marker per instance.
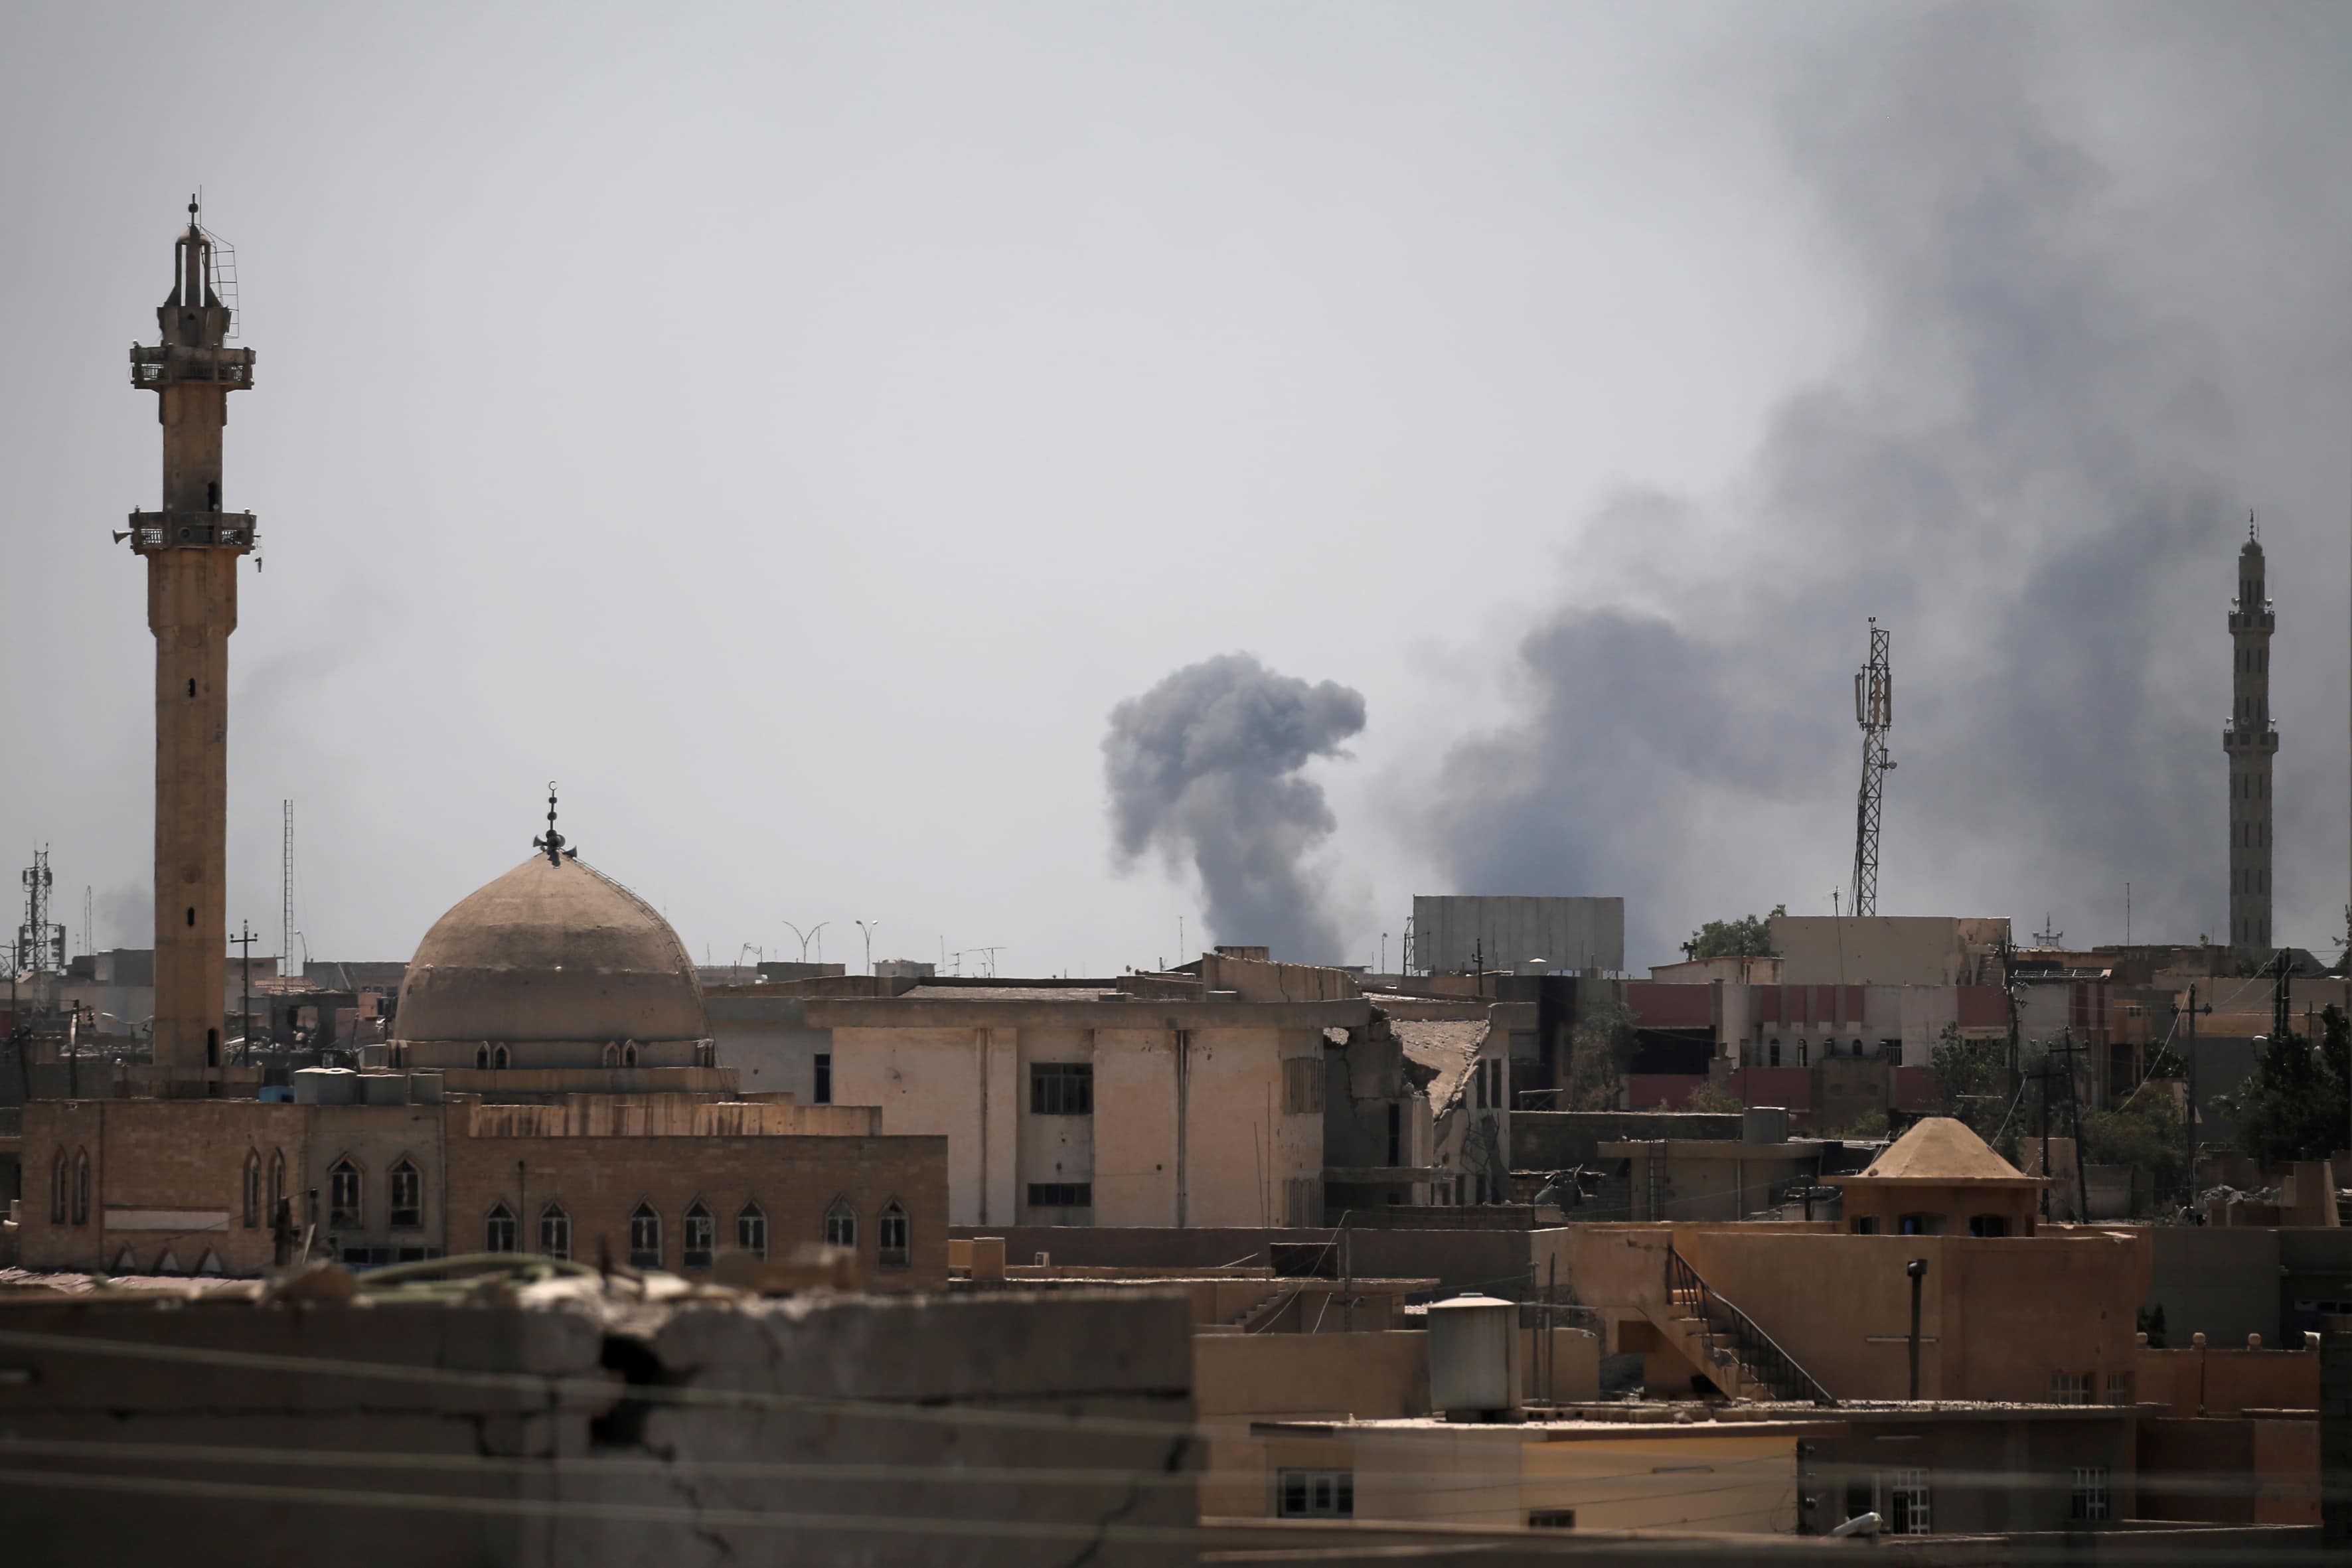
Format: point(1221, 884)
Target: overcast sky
point(796, 428)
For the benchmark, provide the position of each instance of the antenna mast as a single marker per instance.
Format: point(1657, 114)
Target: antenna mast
point(286, 894)
point(40, 945)
point(1873, 710)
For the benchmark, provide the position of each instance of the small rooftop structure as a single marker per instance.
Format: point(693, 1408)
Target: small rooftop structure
point(1940, 1178)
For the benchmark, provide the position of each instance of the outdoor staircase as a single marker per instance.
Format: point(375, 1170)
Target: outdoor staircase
point(1726, 1344)
point(1247, 1320)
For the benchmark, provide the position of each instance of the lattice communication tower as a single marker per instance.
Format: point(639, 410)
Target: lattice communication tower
point(1873, 710)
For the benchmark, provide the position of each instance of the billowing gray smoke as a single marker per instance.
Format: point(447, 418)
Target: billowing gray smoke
point(2020, 470)
point(1205, 767)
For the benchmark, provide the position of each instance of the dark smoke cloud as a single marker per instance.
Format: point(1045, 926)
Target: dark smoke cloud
point(2020, 471)
point(1205, 767)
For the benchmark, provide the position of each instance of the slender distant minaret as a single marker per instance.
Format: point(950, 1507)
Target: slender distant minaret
point(192, 548)
point(2251, 740)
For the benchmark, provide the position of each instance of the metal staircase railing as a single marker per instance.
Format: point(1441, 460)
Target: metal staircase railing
point(1755, 1349)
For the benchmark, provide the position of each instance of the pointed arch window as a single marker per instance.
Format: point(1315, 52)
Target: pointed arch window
point(752, 1230)
point(612, 1056)
point(344, 1195)
point(126, 1262)
point(169, 1263)
point(629, 1054)
point(841, 1224)
point(702, 1237)
point(407, 1194)
point(555, 1231)
point(482, 1058)
point(277, 1182)
point(60, 1178)
point(891, 1236)
point(251, 1189)
point(498, 1230)
point(645, 1238)
point(499, 1059)
point(81, 1186)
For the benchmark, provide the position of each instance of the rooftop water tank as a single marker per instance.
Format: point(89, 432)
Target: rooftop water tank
point(1474, 1358)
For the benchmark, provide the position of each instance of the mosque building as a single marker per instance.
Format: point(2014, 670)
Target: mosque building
point(550, 1084)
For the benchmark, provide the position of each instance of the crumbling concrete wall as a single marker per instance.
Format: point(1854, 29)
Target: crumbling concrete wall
point(594, 1428)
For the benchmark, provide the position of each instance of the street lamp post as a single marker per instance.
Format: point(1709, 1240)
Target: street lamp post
point(868, 928)
point(808, 936)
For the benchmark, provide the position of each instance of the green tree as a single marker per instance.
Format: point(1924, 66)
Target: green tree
point(1600, 1051)
point(2144, 1130)
point(1972, 1080)
point(2293, 1104)
point(1714, 1097)
point(1746, 937)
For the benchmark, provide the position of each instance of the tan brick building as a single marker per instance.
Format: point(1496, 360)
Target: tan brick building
point(164, 1186)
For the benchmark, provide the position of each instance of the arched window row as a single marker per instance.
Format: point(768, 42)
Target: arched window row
point(698, 1232)
point(69, 1187)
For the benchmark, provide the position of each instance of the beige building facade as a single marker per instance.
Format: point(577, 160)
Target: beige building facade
point(1090, 1107)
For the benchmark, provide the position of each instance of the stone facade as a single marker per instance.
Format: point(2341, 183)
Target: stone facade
point(175, 1186)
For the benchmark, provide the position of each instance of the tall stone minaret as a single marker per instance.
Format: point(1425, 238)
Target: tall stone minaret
point(191, 549)
point(2251, 740)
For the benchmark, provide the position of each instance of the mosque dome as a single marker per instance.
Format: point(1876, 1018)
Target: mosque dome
point(554, 951)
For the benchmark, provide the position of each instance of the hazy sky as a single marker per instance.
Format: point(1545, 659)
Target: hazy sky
point(796, 428)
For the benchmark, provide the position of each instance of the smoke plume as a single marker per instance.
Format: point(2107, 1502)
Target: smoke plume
point(2019, 470)
point(1205, 767)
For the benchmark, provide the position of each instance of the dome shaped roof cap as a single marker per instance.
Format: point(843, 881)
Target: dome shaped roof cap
point(553, 951)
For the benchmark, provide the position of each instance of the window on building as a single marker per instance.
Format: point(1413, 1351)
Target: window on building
point(406, 1188)
point(344, 1195)
point(251, 1189)
point(645, 1238)
point(891, 1238)
point(2090, 1500)
point(1988, 1225)
point(1551, 1519)
point(1891, 1052)
point(1396, 1135)
point(2070, 1388)
point(2120, 1388)
point(498, 1059)
point(1060, 1195)
point(1804, 1053)
point(555, 1231)
point(1867, 1225)
point(752, 1230)
point(1302, 1086)
point(1062, 1088)
point(629, 1054)
point(701, 1235)
point(276, 1182)
point(1907, 1507)
point(841, 1224)
point(822, 1092)
point(612, 1056)
point(61, 1184)
point(81, 1186)
point(498, 1230)
point(1922, 1224)
point(482, 1058)
point(1315, 1494)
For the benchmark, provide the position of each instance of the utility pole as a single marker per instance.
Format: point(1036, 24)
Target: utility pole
point(1873, 710)
point(2188, 1120)
point(244, 1015)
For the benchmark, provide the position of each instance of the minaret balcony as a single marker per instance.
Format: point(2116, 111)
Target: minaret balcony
point(2253, 738)
point(155, 530)
point(2244, 620)
point(177, 364)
